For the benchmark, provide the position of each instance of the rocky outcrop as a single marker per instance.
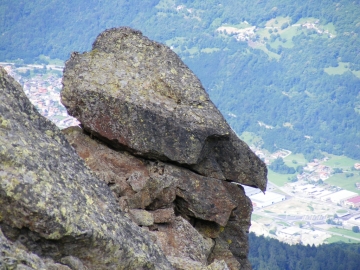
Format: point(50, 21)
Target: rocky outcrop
point(150, 181)
point(137, 95)
point(151, 133)
point(54, 213)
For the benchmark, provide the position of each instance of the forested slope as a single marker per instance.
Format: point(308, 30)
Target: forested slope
point(270, 254)
point(288, 71)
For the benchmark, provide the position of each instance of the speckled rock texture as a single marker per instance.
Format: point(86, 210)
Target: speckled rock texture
point(158, 185)
point(151, 192)
point(137, 95)
point(151, 133)
point(52, 205)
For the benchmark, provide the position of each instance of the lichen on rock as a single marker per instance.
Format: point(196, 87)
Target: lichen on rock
point(150, 131)
point(150, 181)
point(52, 203)
point(137, 94)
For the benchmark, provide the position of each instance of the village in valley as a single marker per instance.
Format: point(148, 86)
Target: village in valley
point(42, 85)
point(317, 204)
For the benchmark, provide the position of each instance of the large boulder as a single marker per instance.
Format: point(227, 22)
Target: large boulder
point(52, 205)
point(137, 95)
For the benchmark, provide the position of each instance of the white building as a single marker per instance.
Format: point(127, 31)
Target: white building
point(353, 221)
point(340, 196)
point(269, 198)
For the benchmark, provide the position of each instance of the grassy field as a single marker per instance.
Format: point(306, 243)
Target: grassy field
point(305, 20)
point(256, 217)
point(336, 238)
point(278, 179)
point(298, 158)
point(272, 55)
point(209, 50)
point(330, 27)
point(345, 232)
point(250, 138)
point(340, 69)
point(356, 73)
point(51, 61)
point(283, 223)
point(342, 162)
point(344, 182)
point(278, 21)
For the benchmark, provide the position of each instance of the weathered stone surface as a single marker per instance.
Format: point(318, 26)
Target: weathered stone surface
point(136, 94)
point(51, 202)
point(141, 217)
point(202, 197)
point(166, 215)
point(197, 196)
point(174, 239)
point(186, 264)
point(14, 255)
point(208, 228)
point(232, 242)
point(221, 251)
point(73, 262)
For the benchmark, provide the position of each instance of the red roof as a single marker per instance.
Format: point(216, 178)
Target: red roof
point(355, 199)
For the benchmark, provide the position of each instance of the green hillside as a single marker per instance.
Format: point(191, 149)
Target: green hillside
point(286, 71)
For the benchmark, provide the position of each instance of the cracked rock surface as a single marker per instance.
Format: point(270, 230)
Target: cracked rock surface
point(51, 203)
point(137, 94)
point(149, 181)
point(150, 131)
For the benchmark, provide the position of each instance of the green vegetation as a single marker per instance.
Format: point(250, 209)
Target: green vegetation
point(341, 69)
point(341, 162)
point(344, 182)
point(268, 253)
point(336, 238)
point(256, 217)
point(299, 159)
point(278, 179)
point(283, 223)
point(279, 166)
point(251, 138)
point(345, 232)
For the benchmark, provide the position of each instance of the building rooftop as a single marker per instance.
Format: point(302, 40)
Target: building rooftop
point(354, 200)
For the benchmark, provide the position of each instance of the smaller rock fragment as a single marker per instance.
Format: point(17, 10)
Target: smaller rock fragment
point(173, 239)
point(141, 217)
point(166, 215)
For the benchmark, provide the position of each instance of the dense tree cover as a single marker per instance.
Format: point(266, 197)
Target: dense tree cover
point(270, 254)
point(279, 166)
point(304, 108)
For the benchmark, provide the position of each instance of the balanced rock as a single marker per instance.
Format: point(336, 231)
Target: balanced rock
point(137, 95)
point(52, 205)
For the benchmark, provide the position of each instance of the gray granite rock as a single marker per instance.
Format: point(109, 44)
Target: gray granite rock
point(136, 94)
point(51, 202)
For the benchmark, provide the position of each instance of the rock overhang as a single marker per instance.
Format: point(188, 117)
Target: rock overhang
point(138, 94)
